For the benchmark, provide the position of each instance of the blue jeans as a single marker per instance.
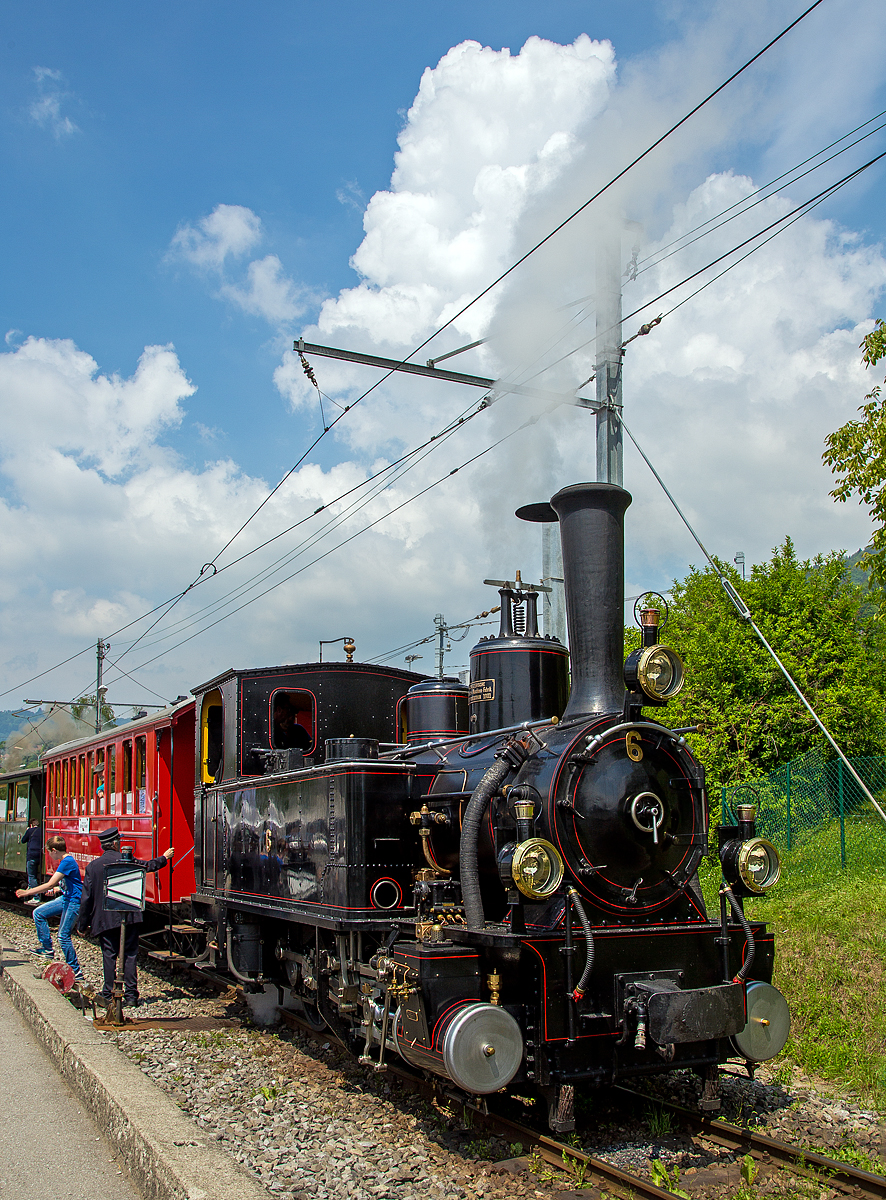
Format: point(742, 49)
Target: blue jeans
point(68, 914)
point(32, 864)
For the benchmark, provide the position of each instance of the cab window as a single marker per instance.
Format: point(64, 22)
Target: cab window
point(291, 724)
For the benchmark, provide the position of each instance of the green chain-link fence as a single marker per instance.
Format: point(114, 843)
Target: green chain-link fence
point(817, 816)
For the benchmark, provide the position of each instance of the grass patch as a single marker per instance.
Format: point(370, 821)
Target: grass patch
point(830, 959)
point(830, 952)
point(831, 965)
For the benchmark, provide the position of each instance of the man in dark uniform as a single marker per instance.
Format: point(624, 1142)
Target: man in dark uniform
point(105, 925)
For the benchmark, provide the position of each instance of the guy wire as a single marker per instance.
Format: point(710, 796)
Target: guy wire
point(745, 614)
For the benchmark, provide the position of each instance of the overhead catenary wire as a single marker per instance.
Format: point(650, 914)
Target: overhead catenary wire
point(528, 254)
point(436, 439)
point(409, 500)
point(465, 625)
point(757, 192)
point(783, 222)
point(660, 257)
point(334, 523)
point(167, 604)
point(745, 614)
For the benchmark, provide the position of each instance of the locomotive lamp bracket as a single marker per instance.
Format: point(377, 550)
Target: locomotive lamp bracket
point(524, 803)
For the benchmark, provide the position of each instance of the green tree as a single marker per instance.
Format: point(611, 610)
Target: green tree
point(856, 453)
point(84, 710)
point(823, 627)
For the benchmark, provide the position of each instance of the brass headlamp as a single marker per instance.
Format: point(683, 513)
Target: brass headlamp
point(750, 863)
point(657, 671)
point(534, 866)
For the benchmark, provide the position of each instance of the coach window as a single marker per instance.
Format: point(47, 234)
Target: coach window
point(82, 787)
point(126, 782)
point(212, 727)
point(89, 806)
point(4, 800)
point(98, 782)
point(289, 709)
point(141, 754)
point(21, 800)
point(110, 778)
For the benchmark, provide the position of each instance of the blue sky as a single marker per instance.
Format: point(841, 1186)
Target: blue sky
point(124, 129)
point(282, 108)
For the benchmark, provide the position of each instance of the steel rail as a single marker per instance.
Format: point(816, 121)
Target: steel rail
point(568, 1159)
point(761, 1145)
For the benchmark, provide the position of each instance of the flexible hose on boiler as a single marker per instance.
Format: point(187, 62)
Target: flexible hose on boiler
point(470, 835)
point(744, 923)
point(582, 985)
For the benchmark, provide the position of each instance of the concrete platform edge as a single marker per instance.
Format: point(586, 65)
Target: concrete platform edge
point(167, 1154)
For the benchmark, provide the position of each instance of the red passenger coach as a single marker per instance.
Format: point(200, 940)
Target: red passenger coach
point(139, 777)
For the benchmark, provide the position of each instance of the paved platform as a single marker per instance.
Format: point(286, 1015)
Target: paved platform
point(49, 1144)
point(166, 1155)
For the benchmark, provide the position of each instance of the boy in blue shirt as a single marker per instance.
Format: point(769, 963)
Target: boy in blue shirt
point(67, 883)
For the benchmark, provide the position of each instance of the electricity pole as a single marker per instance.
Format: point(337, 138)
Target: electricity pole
point(101, 649)
point(442, 629)
point(609, 359)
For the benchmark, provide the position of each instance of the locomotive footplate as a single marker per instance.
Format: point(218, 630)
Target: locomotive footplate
point(675, 1014)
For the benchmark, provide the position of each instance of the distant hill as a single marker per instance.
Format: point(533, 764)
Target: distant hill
point(9, 722)
point(856, 574)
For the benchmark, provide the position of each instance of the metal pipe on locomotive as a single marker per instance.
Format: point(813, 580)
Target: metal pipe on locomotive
point(498, 889)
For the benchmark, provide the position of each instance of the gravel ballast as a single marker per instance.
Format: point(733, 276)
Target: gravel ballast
point(309, 1122)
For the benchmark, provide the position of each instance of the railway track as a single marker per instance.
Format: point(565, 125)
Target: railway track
point(584, 1168)
point(589, 1170)
point(765, 1149)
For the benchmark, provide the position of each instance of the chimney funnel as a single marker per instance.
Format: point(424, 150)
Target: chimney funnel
point(591, 517)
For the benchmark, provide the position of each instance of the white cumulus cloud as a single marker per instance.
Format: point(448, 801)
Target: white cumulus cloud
point(230, 230)
point(228, 233)
point(46, 109)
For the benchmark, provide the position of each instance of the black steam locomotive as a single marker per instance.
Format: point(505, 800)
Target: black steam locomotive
point(496, 883)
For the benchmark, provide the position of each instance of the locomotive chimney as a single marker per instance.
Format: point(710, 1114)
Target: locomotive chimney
point(591, 517)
